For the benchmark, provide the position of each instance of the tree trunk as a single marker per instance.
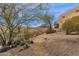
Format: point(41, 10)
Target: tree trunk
point(50, 27)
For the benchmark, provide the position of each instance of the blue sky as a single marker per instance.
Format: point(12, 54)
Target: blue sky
point(60, 8)
point(53, 9)
point(56, 9)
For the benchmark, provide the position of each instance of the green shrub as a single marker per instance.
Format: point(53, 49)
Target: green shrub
point(27, 34)
point(50, 31)
point(24, 42)
point(71, 25)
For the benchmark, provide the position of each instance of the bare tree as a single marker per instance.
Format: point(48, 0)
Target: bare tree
point(44, 15)
point(11, 21)
point(12, 18)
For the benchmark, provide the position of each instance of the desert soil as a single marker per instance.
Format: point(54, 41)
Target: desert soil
point(55, 44)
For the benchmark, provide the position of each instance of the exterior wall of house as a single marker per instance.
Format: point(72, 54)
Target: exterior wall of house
point(70, 14)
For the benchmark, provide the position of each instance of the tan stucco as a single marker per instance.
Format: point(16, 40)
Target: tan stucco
point(66, 16)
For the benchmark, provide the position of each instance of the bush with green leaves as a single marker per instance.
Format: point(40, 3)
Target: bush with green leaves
point(23, 42)
point(50, 31)
point(71, 25)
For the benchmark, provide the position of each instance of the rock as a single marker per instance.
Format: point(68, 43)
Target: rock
point(4, 48)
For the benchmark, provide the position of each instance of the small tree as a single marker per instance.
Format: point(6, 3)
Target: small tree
point(47, 20)
point(11, 22)
point(43, 15)
point(8, 14)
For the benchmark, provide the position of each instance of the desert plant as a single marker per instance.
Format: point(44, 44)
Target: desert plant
point(27, 34)
point(50, 31)
point(23, 42)
point(10, 22)
point(71, 25)
point(47, 20)
point(8, 15)
point(45, 16)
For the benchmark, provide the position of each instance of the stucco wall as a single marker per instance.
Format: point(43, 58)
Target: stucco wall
point(70, 14)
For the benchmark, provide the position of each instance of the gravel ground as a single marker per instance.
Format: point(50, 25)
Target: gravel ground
point(55, 44)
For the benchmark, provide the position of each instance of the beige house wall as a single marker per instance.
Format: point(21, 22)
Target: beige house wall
point(70, 14)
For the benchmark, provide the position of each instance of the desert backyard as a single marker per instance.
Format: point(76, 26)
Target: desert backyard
point(39, 30)
point(55, 44)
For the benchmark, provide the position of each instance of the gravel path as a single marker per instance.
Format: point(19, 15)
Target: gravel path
point(56, 44)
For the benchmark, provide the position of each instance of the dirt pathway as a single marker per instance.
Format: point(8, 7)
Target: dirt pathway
point(50, 44)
